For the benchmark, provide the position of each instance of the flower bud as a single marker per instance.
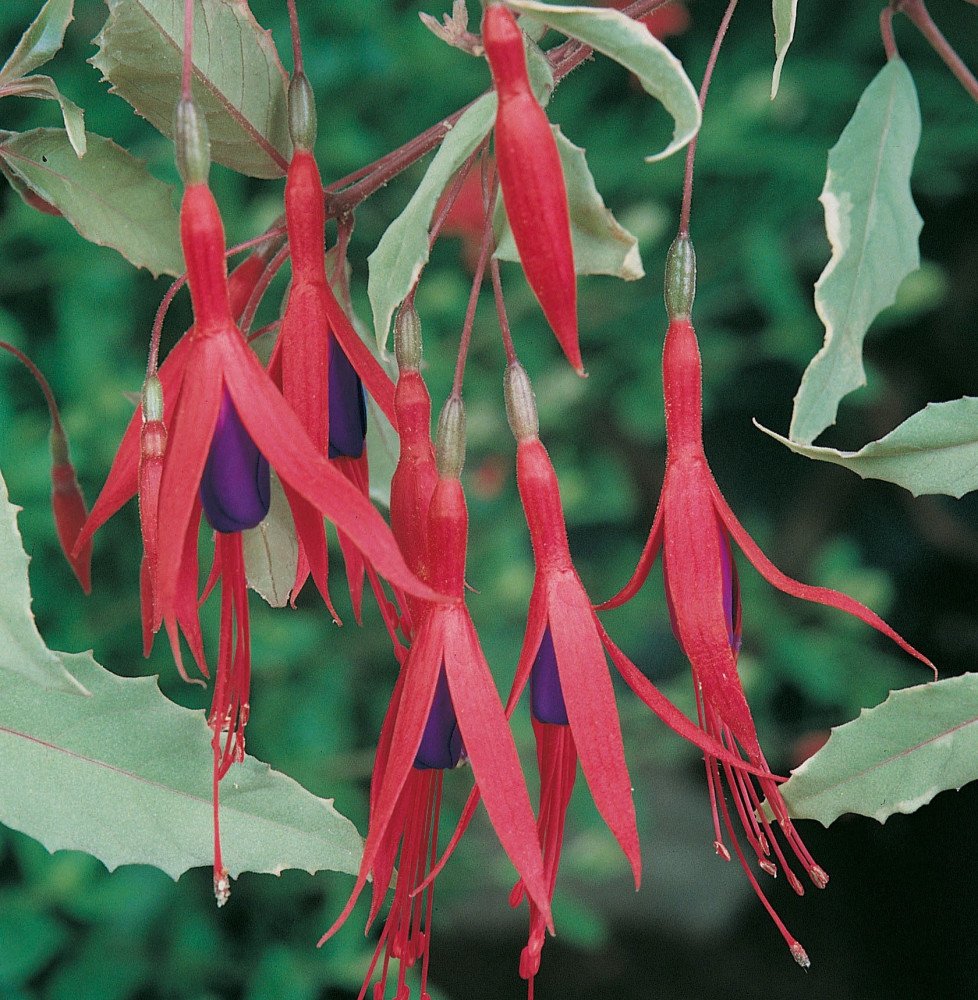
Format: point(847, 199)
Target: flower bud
point(192, 142)
point(521, 407)
point(407, 338)
point(450, 445)
point(680, 283)
point(302, 112)
point(151, 399)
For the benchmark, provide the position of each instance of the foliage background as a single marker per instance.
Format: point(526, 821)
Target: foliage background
point(897, 918)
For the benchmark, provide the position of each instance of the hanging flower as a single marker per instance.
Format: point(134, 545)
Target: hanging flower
point(444, 710)
point(694, 526)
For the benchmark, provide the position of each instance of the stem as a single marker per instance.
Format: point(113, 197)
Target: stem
point(344, 230)
point(188, 45)
point(504, 329)
point(704, 88)
point(42, 384)
point(296, 44)
point(261, 286)
point(886, 32)
point(917, 11)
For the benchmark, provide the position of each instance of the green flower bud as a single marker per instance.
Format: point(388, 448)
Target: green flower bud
point(450, 445)
point(680, 283)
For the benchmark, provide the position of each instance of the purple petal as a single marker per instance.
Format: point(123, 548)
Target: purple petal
point(234, 488)
point(441, 742)
point(347, 406)
point(546, 696)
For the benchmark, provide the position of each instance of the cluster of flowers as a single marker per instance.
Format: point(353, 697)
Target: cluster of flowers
point(212, 423)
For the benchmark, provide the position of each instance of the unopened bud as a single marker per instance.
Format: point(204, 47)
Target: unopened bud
point(450, 445)
point(680, 283)
point(151, 399)
point(407, 338)
point(521, 407)
point(302, 112)
point(192, 142)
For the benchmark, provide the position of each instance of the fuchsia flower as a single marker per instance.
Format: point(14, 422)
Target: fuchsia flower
point(444, 710)
point(694, 526)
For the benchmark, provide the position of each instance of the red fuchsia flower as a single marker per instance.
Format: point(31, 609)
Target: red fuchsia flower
point(532, 181)
point(320, 363)
point(445, 710)
point(67, 501)
point(563, 658)
point(694, 526)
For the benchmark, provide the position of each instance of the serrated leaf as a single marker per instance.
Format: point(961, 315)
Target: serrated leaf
point(894, 758)
point(125, 774)
point(22, 650)
point(933, 451)
point(108, 196)
point(45, 88)
point(271, 551)
point(238, 81)
point(629, 43)
point(40, 42)
point(601, 245)
point(784, 13)
point(873, 226)
point(403, 249)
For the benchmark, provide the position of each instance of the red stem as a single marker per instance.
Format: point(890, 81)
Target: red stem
point(42, 384)
point(704, 88)
point(917, 11)
point(886, 32)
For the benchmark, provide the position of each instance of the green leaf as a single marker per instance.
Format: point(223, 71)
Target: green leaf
point(271, 551)
point(45, 88)
point(22, 650)
point(601, 245)
point(894, 758)
point(403, 249)
point(238, 82)
point(784, 13)
point(629, 43)
point(108, 196)
point(40, 42)
point(873, 227)
point(124, 774)
point(933, 451)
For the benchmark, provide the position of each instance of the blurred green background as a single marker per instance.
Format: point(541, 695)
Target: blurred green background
point(897, 919)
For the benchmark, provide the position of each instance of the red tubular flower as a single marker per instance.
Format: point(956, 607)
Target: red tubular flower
point(445, 709)
point(694, 526)
point(532, 181)
point(67, 502)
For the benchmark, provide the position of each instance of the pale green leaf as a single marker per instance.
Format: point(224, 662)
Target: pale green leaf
point(45, 88)
point(629, 43)
point(271, 551)
point(873, 226)
point(784, 13)
point(933, 451)
point(894, 758)
point(40, 42)
point(403, 249)
point(601, 245)
point(124, 774)
point(238, 82)
point(22, 650)
point(107, 195)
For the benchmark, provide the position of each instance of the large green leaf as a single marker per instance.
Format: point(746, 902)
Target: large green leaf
point(403, 249)
point(108, 195)
point(933, 451)
point(784, 13)
point(894, 758)
point(873, 226)
point(45, 88)
point(629, 43)
point(22, 650)
point(239, 82)
point(40, 42)
point(124, 774)
point(601, 245)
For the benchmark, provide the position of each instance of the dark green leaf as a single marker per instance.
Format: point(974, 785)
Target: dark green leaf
point(108, 195)
point(40, 42)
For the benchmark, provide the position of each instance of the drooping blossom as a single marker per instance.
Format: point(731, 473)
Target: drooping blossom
point(694, 527)
point(532, 181)
point(444, 710)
